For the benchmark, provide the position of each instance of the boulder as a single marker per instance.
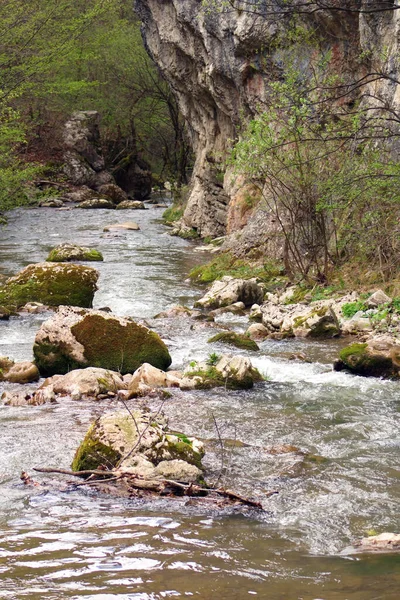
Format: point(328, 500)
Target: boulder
point(378, 357)
point(257, 332)
point(139, 442)
point(229, 291)
point(52, 284)
point(131, 204)
point(147, 378)
point(73, 252)
point(128, 226)
point(23, 372)
point(17, 398)
point(237, 308)
point(231, 372)
point(97, 203)
point(234, 339)
point(74, 339)
point(89, 382)
point(377, 299)
point(113, 192)
point(317, 323)
point(385, 542)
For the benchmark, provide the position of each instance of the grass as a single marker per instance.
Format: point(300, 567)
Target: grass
point(227, 264)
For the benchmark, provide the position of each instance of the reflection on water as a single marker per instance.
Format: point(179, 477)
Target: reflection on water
point(341, 482)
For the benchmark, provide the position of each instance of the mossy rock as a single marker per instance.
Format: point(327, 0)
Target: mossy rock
point(74, 339)
point(115, 439)
point(234, 339)
point(73, 252)
point(53, 284)
point(211, 377)
point(120, 347)
point(359, 360)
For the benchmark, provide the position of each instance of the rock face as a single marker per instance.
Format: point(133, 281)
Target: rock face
point(52, 284)
point(72, 252)
point(219, 66)
point(228, 290)
point(84, 162)
point(140, 443)
point(73, 339)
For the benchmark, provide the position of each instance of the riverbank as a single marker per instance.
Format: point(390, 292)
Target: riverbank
point(336, 479)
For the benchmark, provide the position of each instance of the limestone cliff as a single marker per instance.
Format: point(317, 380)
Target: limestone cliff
point(219, 66)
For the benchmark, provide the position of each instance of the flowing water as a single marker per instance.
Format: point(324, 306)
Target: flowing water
point(341, 482)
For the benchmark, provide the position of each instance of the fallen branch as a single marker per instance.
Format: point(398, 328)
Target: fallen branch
point(158, 486)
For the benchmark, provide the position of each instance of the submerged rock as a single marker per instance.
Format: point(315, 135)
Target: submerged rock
point(73, 339)
point(229, 291)
point(52, 284)
point(234, 339)
point(128, 226)
point(139, 443)
point(379, 357)
point(385, 542)
point(73, 252)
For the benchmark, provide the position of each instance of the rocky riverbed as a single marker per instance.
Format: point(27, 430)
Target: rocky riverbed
point(326, 441)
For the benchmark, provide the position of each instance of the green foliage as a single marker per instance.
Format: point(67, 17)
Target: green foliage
point(213, 358)
point(351, 308)
point(333, 192)
point(227, 264)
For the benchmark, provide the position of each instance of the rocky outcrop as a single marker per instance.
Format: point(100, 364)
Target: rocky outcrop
point(72, 252)
point(384, 542)
point(140, 444)
point(220, 65)
point(84, 163)
point(52, 284)
point(74, 339)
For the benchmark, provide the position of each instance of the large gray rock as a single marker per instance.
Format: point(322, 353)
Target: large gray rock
point(232, 372)
point(228, 291)
point(140, 443)
point(74, 339)
point(90, 382)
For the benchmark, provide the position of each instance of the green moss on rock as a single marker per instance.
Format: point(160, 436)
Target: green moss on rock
point(72, 252)
point(53, 284)
point(119, 347)
point(92, 454)
point(359, 360)
point(234, 339)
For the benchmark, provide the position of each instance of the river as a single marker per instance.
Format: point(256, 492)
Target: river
point(343, 482)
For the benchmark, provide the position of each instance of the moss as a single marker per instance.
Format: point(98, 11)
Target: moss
point(54, 285)
point(357, 359)
point(211, 378)
point(227, 264)
point(173, 214)
point(70, 252)
point(112, 345)
point(183, 450)
point(53, 359)
point(92, 454)
point(234, 339)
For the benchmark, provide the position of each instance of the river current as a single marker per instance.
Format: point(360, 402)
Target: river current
point(343, 482)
